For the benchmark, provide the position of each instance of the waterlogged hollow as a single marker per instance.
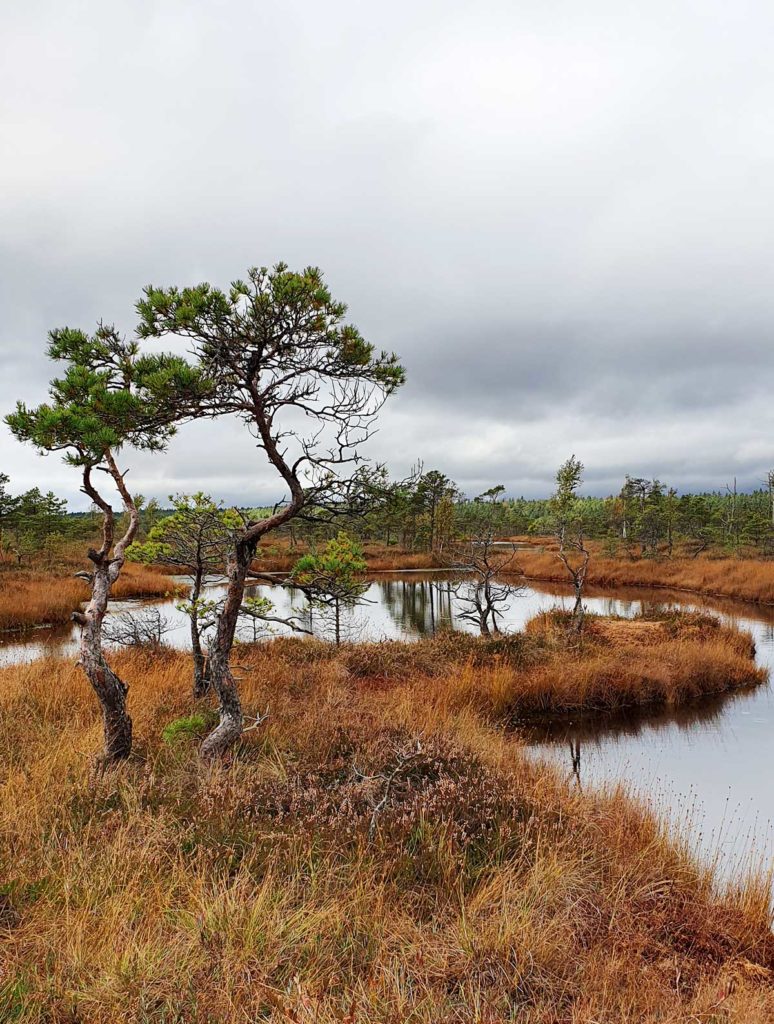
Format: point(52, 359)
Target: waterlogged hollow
point(707, 766)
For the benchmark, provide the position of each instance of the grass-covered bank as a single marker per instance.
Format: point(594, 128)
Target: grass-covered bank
point(379, 850)
point(32, 598)
point(279, 555)
point(669, 659)
point(742, 579)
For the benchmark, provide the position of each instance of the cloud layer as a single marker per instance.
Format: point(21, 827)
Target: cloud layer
point(560, 216)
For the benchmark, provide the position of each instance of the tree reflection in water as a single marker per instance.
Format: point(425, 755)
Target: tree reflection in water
point(418, 607)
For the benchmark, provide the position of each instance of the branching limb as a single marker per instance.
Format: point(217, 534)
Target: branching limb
point(290, 621)
point(404, 760)
point(257, 722)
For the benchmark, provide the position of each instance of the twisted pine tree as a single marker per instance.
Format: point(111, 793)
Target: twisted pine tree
point(109, 398)
point(306, 384)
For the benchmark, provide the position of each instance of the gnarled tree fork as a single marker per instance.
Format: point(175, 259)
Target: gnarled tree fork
point(306, 384)
point(483, 596)
point(194, 541)
point(110, 397)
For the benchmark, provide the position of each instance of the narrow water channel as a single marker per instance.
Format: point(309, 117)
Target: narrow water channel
point(708, 767)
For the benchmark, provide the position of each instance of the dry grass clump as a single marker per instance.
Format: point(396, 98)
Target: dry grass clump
point(396, 660)
point(59, 556)
point(28, 600)
point(381, 558)
point(31, 599)
point(616, 664)
point(741, 579)
point(663, 673)
point(673, 658)
point(488, 889)
point(143, 581)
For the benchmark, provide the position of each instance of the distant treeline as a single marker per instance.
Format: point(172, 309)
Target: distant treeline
point(36, 525)
point(645, 519)
point(428, 512)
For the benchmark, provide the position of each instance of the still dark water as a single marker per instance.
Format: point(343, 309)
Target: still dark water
point(709, 768)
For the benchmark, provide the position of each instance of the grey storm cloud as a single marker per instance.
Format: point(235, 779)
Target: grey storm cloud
point(560, 215)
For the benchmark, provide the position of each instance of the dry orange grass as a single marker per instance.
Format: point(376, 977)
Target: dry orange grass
point(492, 889)
point(663, 672)
point(27, 601)
point(64, 554)
point(143, 582)
point(276, 555)
point(746, 579)
point(381, 559)
point(618, 664)
point(33, 599)
point(741, 579)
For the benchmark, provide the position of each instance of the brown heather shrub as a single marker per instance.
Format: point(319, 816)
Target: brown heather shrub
point(436, 787)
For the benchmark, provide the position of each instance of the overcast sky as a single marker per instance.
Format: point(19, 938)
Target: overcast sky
point(560, 215)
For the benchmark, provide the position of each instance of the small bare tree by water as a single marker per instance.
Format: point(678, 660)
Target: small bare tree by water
point(494, 576)
point(146, 628)
point(484, 597)
point(568, 527)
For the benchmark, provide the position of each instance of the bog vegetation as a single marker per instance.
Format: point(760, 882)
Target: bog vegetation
point(379, 850)
point(366, 840)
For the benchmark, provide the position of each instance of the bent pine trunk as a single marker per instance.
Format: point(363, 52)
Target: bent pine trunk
point(111, 693)
point(110, 690)
point(231, 723)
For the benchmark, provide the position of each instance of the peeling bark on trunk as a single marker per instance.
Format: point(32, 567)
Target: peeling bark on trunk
point(229, 728)
point(110, 690)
